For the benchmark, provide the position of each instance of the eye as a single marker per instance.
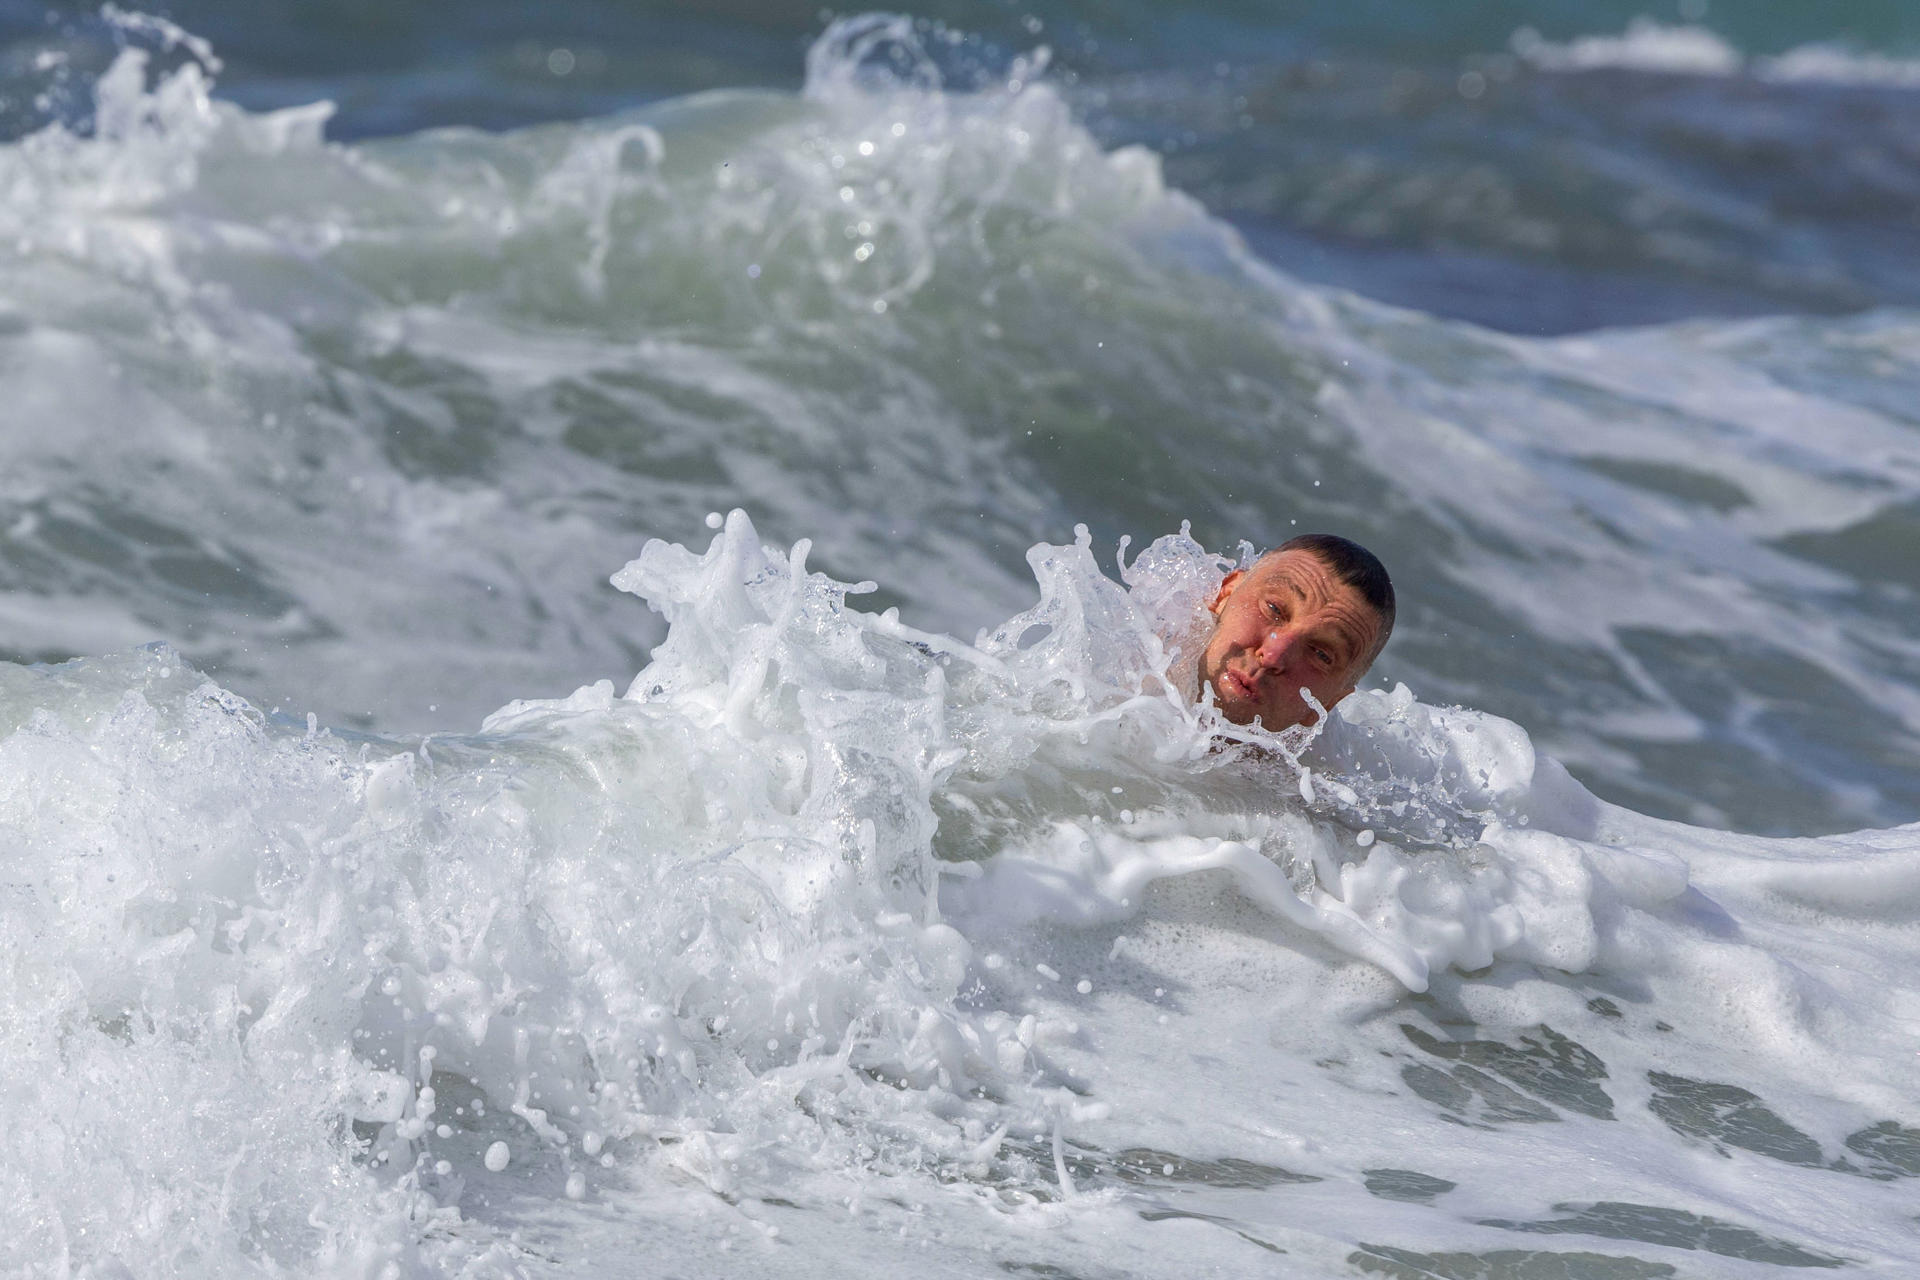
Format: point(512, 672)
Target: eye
point(1323, 656)
point(1275, 612)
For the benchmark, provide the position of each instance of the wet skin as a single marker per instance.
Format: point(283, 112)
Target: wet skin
point(1284, 624)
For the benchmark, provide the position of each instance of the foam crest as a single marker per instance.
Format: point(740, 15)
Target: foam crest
point(148, 138)
point(1648, 45)
point(1836, 64)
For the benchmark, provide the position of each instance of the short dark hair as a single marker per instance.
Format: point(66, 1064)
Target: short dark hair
point(1356, 566)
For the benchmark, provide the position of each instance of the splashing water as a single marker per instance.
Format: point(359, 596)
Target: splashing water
point(774, 917)
point(836, 937)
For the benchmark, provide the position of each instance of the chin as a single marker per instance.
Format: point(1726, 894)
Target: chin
point(1236, 712)
point(1274, 722)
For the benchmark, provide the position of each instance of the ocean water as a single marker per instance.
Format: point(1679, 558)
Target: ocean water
point(594, 643)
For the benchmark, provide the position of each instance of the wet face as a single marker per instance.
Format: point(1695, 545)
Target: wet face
point(1285, 624)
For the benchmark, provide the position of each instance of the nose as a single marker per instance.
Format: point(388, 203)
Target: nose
point(1277, 647)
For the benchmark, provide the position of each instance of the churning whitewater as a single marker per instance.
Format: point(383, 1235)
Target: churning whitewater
point(809, 937)
point(1002, 947)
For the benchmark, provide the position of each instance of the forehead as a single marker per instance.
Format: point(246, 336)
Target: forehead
point(1302, 574)
point(1302, 570)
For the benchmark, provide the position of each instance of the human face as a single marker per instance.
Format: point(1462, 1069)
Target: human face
point(1285, 624)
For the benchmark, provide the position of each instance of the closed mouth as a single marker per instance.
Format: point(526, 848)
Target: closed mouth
point(1236, 685)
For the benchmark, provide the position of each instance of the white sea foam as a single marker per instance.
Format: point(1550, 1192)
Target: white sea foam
point(1836, 64)
point(293, 1000)
point(1646, 45)
point(1652, 46)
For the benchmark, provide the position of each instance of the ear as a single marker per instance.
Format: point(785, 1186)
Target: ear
point(1227, 584)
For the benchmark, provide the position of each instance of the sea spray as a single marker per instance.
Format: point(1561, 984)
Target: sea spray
point(748, 925)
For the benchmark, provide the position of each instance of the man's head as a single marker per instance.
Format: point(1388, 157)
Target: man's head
point(1314, 612)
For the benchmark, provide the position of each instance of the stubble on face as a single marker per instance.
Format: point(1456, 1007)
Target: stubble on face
point(1286, 623)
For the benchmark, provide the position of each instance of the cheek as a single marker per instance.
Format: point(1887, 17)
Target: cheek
point(1329, 690)
point(1221, 643)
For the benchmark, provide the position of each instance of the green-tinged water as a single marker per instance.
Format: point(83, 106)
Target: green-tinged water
point(405, 402)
